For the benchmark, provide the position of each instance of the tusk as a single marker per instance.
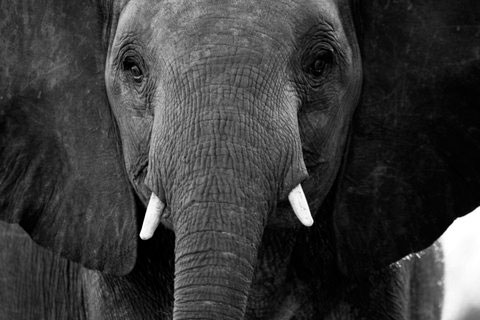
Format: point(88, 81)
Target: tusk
point(152, 217)
point(300, 206)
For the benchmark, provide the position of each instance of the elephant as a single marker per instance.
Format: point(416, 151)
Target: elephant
point(205, 159)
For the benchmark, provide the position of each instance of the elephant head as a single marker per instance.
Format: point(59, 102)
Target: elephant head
point(213, 115)
point(208, 113)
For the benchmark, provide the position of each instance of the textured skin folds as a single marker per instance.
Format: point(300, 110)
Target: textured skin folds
point(221, 108)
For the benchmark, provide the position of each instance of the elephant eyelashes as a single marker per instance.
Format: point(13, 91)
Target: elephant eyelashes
point(130, 65)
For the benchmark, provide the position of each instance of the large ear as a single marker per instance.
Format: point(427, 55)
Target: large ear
point(61, 175)
point(413, 163)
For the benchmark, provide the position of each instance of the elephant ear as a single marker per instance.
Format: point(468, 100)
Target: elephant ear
point(61, 174)
point(413, 164)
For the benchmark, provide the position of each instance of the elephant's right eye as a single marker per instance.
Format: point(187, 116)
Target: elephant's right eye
point(132, 67)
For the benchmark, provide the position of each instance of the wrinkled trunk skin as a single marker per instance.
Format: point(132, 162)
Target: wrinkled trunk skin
point(220, 198)
point(218, 222)
point(219, 212)
point(215, 262)
point(220, 194)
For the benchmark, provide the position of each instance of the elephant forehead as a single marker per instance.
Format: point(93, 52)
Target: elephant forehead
point(263, 25)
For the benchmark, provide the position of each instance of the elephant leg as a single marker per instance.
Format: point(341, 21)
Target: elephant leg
point(426, 284)
point(411, 289)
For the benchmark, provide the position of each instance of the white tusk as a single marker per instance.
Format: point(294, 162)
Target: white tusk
point(300, 206)
point(152, 217)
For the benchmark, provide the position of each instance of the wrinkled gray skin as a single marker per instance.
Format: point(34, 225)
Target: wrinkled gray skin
point(215, 90)
point(221, 108)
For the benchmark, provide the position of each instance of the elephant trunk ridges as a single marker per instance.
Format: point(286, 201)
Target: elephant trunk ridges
point(219, 216)
point(215, 260)
point(220, 196)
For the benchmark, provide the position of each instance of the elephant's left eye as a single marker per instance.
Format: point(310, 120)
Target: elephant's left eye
point(131, 66)
point(318, 65)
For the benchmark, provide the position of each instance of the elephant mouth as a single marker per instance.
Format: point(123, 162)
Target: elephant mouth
point(156, 208)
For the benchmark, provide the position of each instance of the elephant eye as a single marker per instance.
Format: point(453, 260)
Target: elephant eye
point(320, 63)
point(130, 65)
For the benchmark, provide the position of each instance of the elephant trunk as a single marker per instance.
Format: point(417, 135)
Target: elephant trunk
point(215, 253)
point(220, 199)
point(221, 188)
